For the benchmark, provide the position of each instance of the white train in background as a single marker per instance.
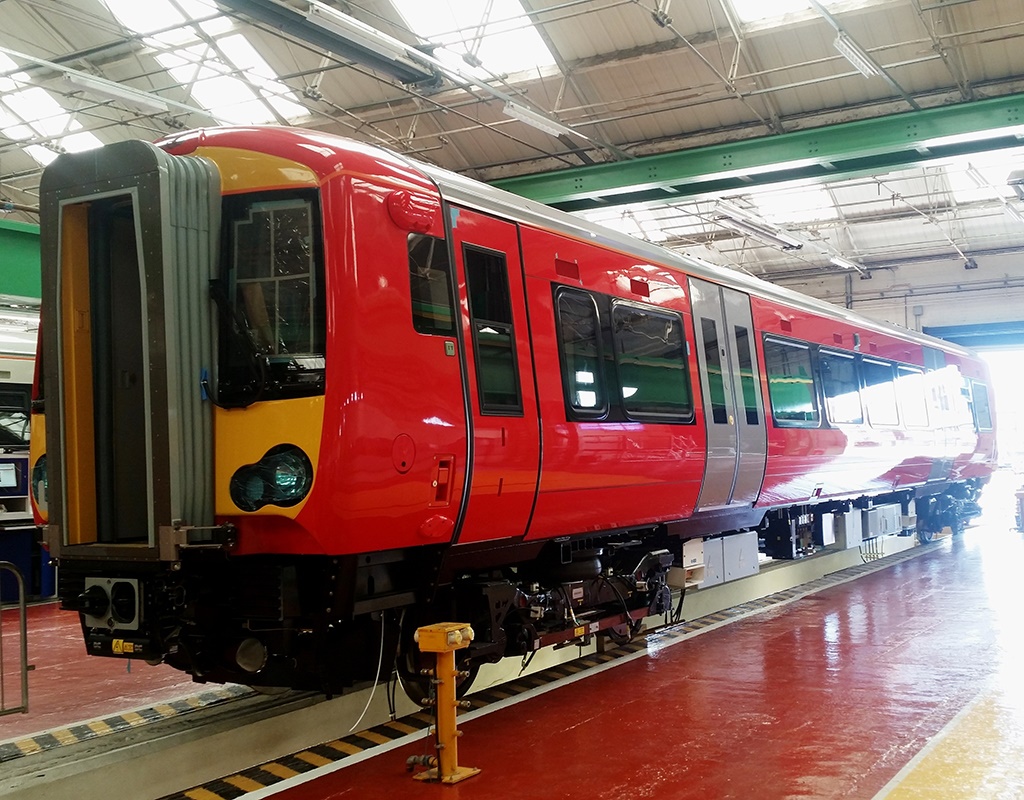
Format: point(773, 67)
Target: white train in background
point(19, 324)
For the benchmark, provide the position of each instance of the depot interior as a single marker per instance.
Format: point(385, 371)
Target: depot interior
point(866, 152)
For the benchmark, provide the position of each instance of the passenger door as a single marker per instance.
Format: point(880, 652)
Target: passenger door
point(504, 424)
point(731, 389)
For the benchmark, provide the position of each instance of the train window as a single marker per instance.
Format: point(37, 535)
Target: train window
point(579, 336)
point(841, 387)
point(14, 418)
point(913, 401)
point(490, 307)
point(273, 312)
point(433, 310)
point(650, 357)
point(791, 387)
point(880, 393)
point(715, 378)
point(980, 404)
point(745, 356)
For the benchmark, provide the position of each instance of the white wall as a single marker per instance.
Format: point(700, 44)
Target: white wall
point(944, 292)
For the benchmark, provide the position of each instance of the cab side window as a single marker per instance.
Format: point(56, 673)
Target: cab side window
point(579, 334)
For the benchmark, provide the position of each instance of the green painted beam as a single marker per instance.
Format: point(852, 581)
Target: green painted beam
point(19, 259)
point(834, 152)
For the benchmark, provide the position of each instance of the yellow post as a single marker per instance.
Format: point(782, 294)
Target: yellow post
point(443, 639)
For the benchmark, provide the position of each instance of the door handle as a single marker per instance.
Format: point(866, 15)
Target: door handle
point(442, 483)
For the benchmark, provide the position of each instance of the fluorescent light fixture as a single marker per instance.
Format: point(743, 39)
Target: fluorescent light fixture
point(845, 263)
point(328, 29)
point(535, 120)
point(727, 209)
point(779, 239)
point(976, 177)
point(1015, 180)
point(741, 221)
point(857, 56)
point(366, 40)
point(114, 91)
point(1013, 213)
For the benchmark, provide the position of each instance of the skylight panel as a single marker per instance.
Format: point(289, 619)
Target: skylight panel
point(44, 155)
point(754, 12)
point(759, 10)
point(980, 179)
point(504, 41)
point(230, 99)
point(13, 82)
point(796, 206)
point(155, 15)
point(244, 56)
point(14, 129)
point(47, 117)
point(209, 75)
point(636, 221)
point(79, 142)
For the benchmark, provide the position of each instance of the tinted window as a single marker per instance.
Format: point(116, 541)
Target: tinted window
point(791, 383)
point(747, 381)
point(982, 411)
point(580, 339)
point(880, 393)
point(913, 402)
point(650, 357)
point(841, 387)
point(490, 308)
point(715, 379)
point(430, 284)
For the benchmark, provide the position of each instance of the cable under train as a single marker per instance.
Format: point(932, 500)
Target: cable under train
point(298, 396)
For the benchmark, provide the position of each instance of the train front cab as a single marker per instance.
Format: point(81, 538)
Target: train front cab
point(173, 432)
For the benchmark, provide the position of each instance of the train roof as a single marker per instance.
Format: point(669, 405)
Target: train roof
point(310, 145)
point(467, 191)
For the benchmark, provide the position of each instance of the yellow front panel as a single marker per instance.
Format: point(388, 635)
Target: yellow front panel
point(37, 448)
point(244, 435)
point(246, 171)
point(76, 344)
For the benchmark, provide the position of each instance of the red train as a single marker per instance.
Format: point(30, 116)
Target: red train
point(300, 395)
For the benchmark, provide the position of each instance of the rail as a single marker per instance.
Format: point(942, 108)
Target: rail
point(7, 566)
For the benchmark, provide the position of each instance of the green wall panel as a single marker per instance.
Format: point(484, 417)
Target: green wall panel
point(19, 259)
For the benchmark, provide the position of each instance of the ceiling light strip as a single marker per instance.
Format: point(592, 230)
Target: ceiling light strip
point(857, 56)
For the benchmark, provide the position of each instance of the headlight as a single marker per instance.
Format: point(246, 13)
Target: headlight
point(282, 477)
point(40, 484)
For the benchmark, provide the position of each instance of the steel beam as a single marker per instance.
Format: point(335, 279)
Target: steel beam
point(831, 153)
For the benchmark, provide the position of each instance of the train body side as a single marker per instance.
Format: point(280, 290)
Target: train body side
point(477, 407)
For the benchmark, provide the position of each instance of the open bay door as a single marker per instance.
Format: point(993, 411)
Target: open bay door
point(731, 389)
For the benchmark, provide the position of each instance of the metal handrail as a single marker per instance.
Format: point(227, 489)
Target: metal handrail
point(23, 617)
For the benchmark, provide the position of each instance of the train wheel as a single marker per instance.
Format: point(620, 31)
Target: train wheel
point(624, 634)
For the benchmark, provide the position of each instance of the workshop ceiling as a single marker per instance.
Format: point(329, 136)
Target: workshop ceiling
point(502, 89)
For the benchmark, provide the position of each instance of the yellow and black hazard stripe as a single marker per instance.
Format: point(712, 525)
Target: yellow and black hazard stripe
point(272, 772)
point(85, 731)
point(264, 775)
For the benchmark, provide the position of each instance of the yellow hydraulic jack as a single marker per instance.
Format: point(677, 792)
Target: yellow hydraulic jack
point(444, 639)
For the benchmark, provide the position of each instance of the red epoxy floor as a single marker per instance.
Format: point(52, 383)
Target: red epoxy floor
point(828, 697)
point(66, 685)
